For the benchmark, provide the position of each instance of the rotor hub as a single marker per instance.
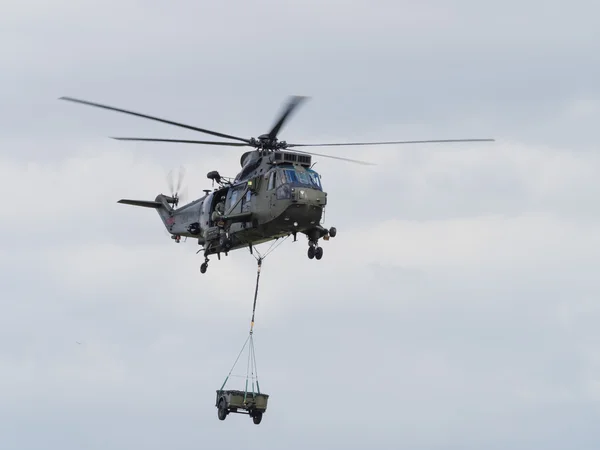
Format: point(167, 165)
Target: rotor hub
point(266, 142)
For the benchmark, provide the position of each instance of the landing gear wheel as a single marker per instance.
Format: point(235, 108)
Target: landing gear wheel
point(203, 267)
point(318, 253)
point(332, 232)
point(257, 418)
point(222, 411)
point(311, 252)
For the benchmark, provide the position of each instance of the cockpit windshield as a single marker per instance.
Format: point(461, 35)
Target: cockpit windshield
point(315, 178)
point(308, 178)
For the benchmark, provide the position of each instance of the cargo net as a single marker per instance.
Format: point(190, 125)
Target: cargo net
point(252, 371)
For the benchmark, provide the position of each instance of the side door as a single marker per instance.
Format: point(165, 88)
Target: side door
point(232, 200)
point(205, 211)
point(233, 205)
point(247, 201)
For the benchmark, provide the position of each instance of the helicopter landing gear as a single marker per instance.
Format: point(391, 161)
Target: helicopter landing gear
point(204, 266)
point(318, 252)
point(314, 251)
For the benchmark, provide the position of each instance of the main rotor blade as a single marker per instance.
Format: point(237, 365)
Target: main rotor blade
point(364, 163)
point(292, 104)
point(184, 141)
point(214, 133)
point(392, 142)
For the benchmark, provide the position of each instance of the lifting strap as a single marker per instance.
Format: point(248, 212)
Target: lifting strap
point(255, 294)
point(251, 371)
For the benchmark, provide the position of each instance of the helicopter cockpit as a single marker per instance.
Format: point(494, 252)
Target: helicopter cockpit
point(286, 178)
point(295, 177)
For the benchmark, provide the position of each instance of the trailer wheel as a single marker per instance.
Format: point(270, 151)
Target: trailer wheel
point(257, 417)
point(222, 411)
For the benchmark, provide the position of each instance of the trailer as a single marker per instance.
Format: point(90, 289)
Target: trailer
point(241, 402)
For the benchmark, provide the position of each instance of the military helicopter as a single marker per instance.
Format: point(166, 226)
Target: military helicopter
point(276, 194)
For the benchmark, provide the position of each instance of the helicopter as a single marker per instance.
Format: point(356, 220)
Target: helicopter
point(276, 194)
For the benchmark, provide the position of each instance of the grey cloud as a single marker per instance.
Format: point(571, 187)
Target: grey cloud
point(512, 68)
point(456, 308)
point(449, 349)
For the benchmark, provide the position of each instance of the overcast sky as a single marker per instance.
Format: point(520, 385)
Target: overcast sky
point(458, 306)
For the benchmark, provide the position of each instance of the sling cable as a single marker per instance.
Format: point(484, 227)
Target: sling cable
point(249, 401)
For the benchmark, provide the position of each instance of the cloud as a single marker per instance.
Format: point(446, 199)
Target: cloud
point(458, 297)
point(467, 313)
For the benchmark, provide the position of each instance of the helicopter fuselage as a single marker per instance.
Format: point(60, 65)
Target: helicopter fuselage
point(275, 198)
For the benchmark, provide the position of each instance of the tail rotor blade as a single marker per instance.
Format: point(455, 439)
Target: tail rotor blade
point(183, 196)
point(181, 176)
point(171, 182)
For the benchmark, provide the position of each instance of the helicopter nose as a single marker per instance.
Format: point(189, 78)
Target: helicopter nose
point(309, 196)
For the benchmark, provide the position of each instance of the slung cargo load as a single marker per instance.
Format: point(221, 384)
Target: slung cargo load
point(241, 402)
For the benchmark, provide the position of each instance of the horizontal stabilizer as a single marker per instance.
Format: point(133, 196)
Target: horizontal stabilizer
point(144, 203)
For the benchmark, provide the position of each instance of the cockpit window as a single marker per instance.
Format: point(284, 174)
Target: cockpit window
point(303, 177)
point(308, 178)
point(281, 178)
point(271, 184)
point(290, 175)
point(314, 178)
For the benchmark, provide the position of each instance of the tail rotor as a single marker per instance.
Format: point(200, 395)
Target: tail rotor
point(176, 189)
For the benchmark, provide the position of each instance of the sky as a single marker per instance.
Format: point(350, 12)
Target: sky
point(456, 308)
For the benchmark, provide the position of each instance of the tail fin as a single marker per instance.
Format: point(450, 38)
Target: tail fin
point(160, 204)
